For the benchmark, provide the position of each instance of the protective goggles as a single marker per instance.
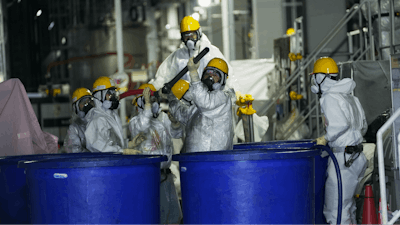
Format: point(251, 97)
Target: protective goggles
point(326, 75)
point(191, 35)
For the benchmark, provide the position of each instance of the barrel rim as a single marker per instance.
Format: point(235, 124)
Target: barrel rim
point(245, 155)
point(272, 144)
point(15, 159)
point(93, 161)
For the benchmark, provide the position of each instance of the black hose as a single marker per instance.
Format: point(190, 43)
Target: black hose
point(167, 87)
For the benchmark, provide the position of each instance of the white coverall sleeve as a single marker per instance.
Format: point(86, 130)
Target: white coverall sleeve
point(180, 111)
point(72, 142)
point(365, 124)
point(140, 123)
point(365, 127)
point(166, 72)
point(206, 100)
point(98, 137)
point(336, 119)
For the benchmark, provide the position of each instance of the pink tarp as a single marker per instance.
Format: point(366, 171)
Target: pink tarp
point(20, 132)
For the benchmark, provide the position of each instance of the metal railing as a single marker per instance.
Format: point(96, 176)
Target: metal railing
point(381, 167)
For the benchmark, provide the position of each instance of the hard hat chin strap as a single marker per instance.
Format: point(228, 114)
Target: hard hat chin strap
point(319, 85)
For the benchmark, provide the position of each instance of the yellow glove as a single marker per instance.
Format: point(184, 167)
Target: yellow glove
point(321, 140)
point(136, 141)
point(128, 151)
point(146, 96)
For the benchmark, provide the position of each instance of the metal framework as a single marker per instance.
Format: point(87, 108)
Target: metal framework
point(311, 114)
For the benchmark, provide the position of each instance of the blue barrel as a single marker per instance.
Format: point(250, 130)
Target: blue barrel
point(320, 168)
point(104, 190)
point(13, 188)
point(253, 186)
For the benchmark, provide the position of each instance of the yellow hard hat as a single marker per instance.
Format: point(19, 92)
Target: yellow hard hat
point(180, 88)
point(188, 23)
point(290, 32)
point(219, 64)
point(143, 86)
point(79, 93)
point(325, 65)
point(103, 83)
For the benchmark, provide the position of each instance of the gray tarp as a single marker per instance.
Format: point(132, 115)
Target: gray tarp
point(373, 86)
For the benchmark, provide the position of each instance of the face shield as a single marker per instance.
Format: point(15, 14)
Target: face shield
point(190, 39)
point(212, 78)
point(83, 106)
point(112, 95)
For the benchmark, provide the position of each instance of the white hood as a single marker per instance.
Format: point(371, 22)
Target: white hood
point(345, 86)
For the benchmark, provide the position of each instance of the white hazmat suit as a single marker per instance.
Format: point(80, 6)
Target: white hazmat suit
point(177, 60)
point(345, 124)
point(159, 133)
point(104, 131)
point(208, 122)
point(75, 140)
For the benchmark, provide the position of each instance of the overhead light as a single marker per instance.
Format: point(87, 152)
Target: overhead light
point(196, 16)
point(63, 40)
point(19, 1)
point(204, 3)
point(167, 26)
point(39, 12)
point(51, 25)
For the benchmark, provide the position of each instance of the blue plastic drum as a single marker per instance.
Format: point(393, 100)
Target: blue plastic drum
point(253, 186)
point(320, 168)
point(13, 189)
point(104, 190)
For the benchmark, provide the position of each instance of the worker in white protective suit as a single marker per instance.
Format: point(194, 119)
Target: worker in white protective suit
point(104, 131)
point(345, 126)
point(158, 131)
point(82, 103)
point(208, 121)
point(193, 42)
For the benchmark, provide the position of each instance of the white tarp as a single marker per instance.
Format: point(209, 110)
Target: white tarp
point(260, 125)
point(252, 76)
point(257, 78)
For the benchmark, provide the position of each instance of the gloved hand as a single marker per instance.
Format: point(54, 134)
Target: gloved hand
point(129, 151)
point(321, 140)
point(146, 96)
point(137, 140)
point(174, 123)
point(194, 76)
